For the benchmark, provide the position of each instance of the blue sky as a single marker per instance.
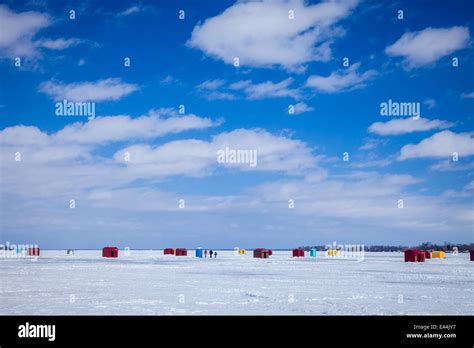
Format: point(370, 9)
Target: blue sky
point(283, 61)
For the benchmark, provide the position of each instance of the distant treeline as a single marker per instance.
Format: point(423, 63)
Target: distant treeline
point(448, 247)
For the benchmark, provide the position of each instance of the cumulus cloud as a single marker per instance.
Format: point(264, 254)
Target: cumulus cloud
point(18, 31)
point(407, 125)
point(427, 46)
point(261, 34)
point(96, 91)
point(107, 129)
point(442, 144)
point(193, 157)
point(119, 128)
point(342, 80)
point(181, 157)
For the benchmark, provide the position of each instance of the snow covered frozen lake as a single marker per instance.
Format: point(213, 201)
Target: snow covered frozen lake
point(150, 283)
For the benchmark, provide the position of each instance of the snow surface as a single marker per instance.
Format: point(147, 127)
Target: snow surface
point(148, 282)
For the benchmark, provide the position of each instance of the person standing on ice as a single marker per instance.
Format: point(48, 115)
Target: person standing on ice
point(215, 254)
point(210, 253)
point(205, 252)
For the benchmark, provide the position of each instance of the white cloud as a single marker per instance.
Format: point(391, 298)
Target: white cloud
point(371, 163)
point(180, 157)
point(69, 164)
point(101, 90)
point(301, 107)
point(467, 95)
point(210, 90)
point(24, 135)
point(18, 31)
point(219, 89)
point(429, 45)
point(275, 153)
point(371, 143)
point(346, 79)
point(131, 10)
point(452, 166)
point(103, 130)
point(267, 89)
point(407, 125)
point(370, 200)
point(215, 95)
point(189, 157)
point(197, 157)
point(168, 80)
point(261, 34)
point(118, 128)
point(356, 209)
point(442, 144)
point(211, 85)
point(58, 44)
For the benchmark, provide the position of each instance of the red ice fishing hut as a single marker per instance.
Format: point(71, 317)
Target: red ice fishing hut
point(298, 253)
point(261, 253)
point(412, 255)
point(168, 251)
point(427, 254)
point(33, 251)
point(181, 252)
point(110, 252)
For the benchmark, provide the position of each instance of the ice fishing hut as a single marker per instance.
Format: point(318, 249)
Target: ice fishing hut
point(298, 253)
point(471, 252)
point(332, 252)
point(427, 254)
point(261, 253)
point(168, 251)
point(181, 252)
point(312, 252)
point(270, 252)
point(413, 255)
point(33, 251)
point(110, 252)
point(199, 252)
point(70, 252)
point(242, 252)
point(438, 255)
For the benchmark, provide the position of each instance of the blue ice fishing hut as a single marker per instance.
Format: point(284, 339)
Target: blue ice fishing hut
point(199, 252)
